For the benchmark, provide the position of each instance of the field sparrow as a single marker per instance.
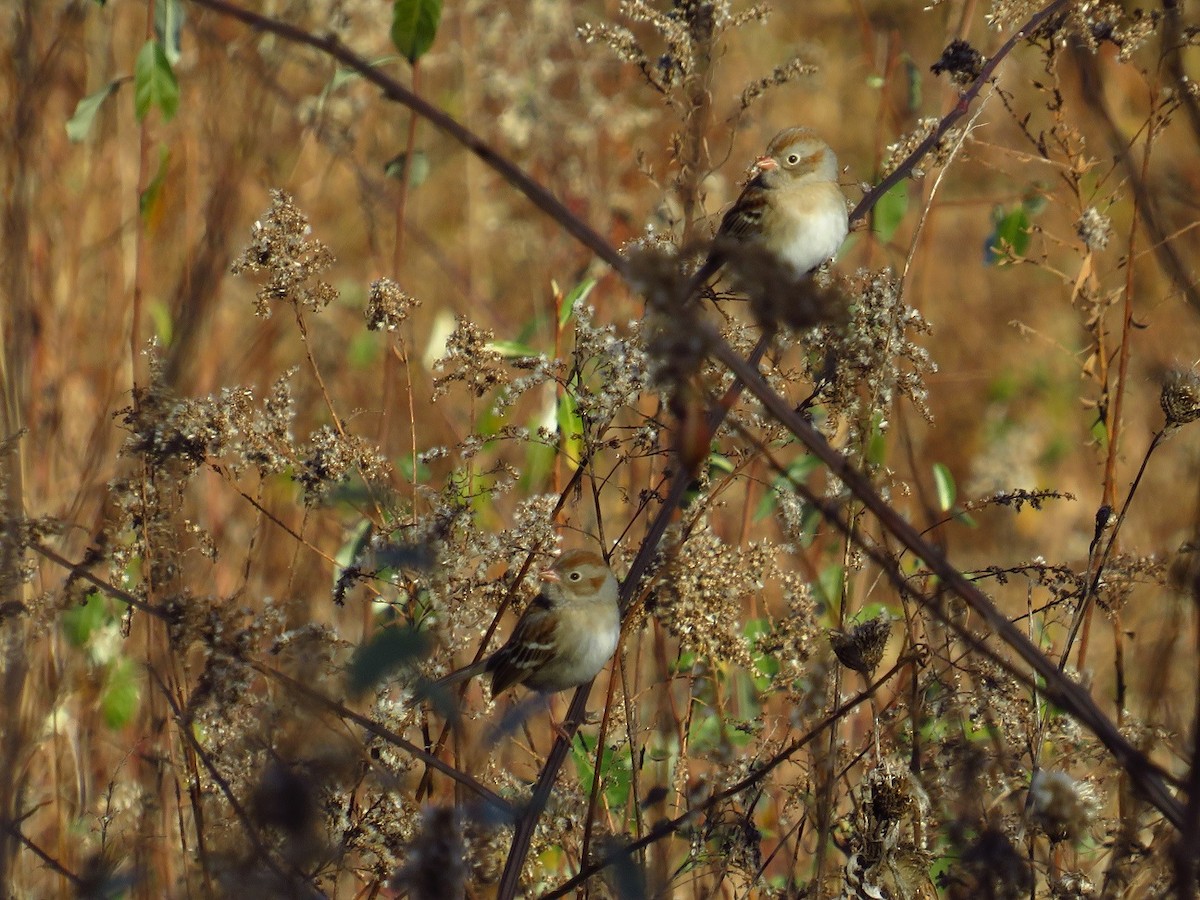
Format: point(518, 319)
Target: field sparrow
point(792, 207)
point(564, 637)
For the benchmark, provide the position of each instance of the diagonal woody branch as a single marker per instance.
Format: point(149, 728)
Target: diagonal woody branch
point(1060, 689)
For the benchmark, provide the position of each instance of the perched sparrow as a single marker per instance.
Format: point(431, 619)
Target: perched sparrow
point(792, 207)
point(564, 637)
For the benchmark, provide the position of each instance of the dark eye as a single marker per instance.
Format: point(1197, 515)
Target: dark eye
point(793, 158)
point(574, 576)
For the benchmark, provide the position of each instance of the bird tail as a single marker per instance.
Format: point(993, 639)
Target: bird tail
point(458, 676)
point(438, 692)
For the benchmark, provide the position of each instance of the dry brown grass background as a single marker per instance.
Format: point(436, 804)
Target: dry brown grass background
point(147, 760)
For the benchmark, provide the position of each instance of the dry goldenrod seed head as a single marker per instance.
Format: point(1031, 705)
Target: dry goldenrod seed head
point(962, 61)
point(1094, 229)
point(1060, 806)
point(861, 648)
point(1180, 397)
point(388, 305)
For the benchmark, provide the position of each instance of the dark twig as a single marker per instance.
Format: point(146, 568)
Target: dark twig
point(81, 572)
point(294, 880)
point(666, 829)
point(1068, 695)
point(391, 737)
point(394, 90)
point(965, 98)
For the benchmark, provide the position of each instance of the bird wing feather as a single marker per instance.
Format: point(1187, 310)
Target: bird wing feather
point(528, 650)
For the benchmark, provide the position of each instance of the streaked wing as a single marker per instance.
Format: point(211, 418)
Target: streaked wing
point(744, 219)
point(530, 647)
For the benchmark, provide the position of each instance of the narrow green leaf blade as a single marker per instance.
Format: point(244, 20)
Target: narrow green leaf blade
point(947, 491)
point(1012, 232)
point(580, 293)
point(570, 427)
point(119, 701)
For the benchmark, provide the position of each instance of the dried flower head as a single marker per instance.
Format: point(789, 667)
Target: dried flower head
point(793, 70)
point(962, 61)
point(938, 154)
point(861, 648)
point(388, 305)
point(281, 245)
point(875, 357)
point(1180, 397)
point(1060, 806)
point(1094, 229)
point(471, 359)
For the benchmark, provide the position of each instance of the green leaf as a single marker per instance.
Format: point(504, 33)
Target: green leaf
point(87, 109)
point(719, 463)
point(946, 490)
point(539, 460)
point(578, 295)
point(154, 83)
point(390, 649)
point(414, 25)
point(119, 702)
point(164, 325)
point(404, 465)
point(912, 73)
point(767, 666)
point(889, 212)
point(511, 349)
point(78, 622)
point(419, 170)
point(363, 350)
point(616, 770)
point(570, 425)
point(1011, 231)
point(829, 585)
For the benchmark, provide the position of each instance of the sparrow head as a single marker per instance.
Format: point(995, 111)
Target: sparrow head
point(579, 575)
point(798, 154)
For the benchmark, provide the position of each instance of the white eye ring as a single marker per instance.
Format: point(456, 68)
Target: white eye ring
point(793, 158)
point(574, 576)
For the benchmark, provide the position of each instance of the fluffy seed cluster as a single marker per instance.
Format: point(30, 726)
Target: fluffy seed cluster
point(875, 359)
point(1094, 229)
point(183, 434)
point(1063, 808)
point(470, 358)
point(388, 305)
point(1180, 397)
point(898, 151)
point(281, 244)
